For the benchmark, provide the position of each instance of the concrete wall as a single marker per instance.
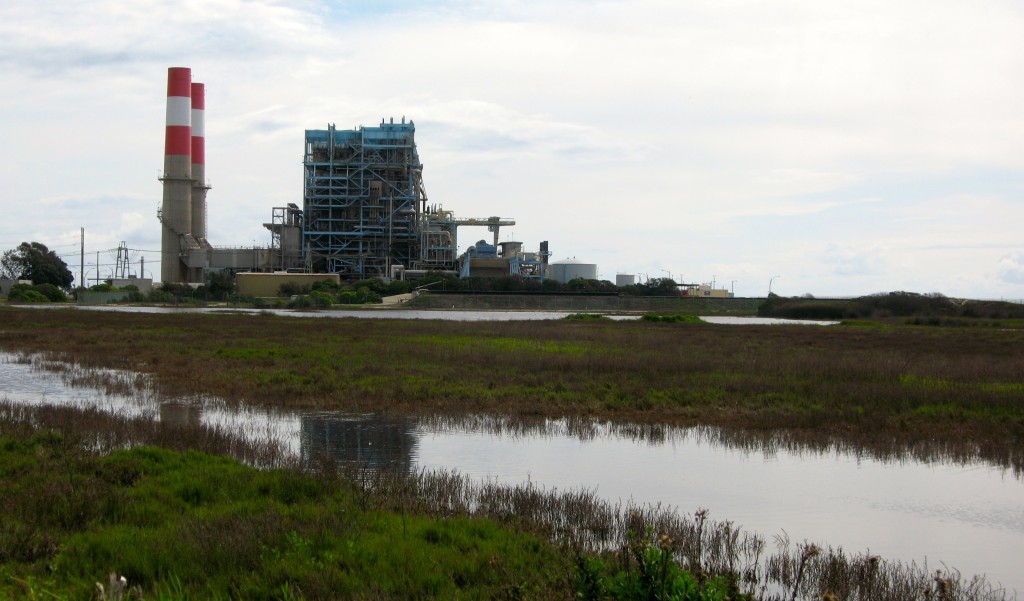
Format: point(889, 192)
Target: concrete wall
point(268, 284)
point(87, 297)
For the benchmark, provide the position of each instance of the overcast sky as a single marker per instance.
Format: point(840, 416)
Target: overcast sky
point(847, 147)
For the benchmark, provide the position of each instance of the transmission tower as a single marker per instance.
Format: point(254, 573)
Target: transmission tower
point(123, 267)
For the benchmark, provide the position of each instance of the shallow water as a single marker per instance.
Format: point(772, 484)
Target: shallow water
point(377, 312)
point(964, 516)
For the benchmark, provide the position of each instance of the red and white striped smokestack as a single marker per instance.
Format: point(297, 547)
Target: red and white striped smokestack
point(199, 186)
point(176, 214)
point(178, 137)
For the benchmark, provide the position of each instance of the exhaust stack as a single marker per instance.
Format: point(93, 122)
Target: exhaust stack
point(176, 212)
point(199, 186)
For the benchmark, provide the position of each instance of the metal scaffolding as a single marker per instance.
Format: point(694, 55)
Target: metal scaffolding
point(363, 201)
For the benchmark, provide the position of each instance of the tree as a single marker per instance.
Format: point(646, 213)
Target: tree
point(33, 261)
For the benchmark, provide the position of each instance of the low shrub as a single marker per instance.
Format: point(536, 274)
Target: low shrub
point(675, 318)
point(587, 317)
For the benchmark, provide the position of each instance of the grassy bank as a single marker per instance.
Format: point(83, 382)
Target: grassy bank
point(87, 493)
point(187, 525)
point(958, 391)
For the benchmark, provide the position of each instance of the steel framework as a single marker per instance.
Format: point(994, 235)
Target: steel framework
point(363, 199)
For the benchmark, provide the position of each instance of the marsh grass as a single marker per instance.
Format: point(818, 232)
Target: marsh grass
point(83, 504)
point(958, 388)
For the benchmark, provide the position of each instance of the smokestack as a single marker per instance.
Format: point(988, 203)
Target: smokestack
point(199, 186)
point(175, 214)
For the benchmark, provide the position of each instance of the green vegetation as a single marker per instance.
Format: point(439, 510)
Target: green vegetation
point(206, 527)
point(903, 307)
point(648, 570)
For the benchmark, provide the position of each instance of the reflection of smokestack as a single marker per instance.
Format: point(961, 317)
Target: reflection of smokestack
point(177, 177)
point(199, 186)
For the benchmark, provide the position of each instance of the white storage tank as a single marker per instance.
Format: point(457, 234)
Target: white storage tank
point(625, 279)
point(570, 269)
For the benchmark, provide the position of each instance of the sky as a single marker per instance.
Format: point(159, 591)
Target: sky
point(827, 148)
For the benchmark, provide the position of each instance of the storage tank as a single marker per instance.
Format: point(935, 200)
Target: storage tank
point(570, 269)
point(625, 279)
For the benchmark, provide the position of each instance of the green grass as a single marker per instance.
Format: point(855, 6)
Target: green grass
point(213, 528)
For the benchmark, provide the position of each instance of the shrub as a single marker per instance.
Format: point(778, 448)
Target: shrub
point(362, 296)
point(51, 292)
point(320, 298)
point(161, 296)
point(292, 289)
point(301, 301)
point(327, 286)
point(23, 293)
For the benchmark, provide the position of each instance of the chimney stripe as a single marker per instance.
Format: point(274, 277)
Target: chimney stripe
point(179, 110)
point(179, 81)
point(178, 140)
point(198, 124)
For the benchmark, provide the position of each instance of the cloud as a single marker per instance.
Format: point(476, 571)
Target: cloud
point(852, 261)
point(844, 145)
point(72, 35)
point(1011, 268)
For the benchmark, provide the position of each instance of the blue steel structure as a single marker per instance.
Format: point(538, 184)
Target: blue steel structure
point(363, 202)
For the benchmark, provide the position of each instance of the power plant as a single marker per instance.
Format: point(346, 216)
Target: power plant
point(365, 211)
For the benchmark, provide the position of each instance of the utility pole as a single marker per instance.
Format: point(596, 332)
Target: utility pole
point(81, 262)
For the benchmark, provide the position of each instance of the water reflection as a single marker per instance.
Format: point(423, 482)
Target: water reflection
point(181, 414)
point(365, 440)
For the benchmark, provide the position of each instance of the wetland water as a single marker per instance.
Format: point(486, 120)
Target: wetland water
point(399, 313)
point(964, 516)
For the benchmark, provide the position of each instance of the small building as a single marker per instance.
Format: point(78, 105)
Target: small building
point(268, 284)
point(704, 291)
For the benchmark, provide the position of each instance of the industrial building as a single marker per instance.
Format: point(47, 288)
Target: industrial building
point(504, 259)
point(365, 211)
